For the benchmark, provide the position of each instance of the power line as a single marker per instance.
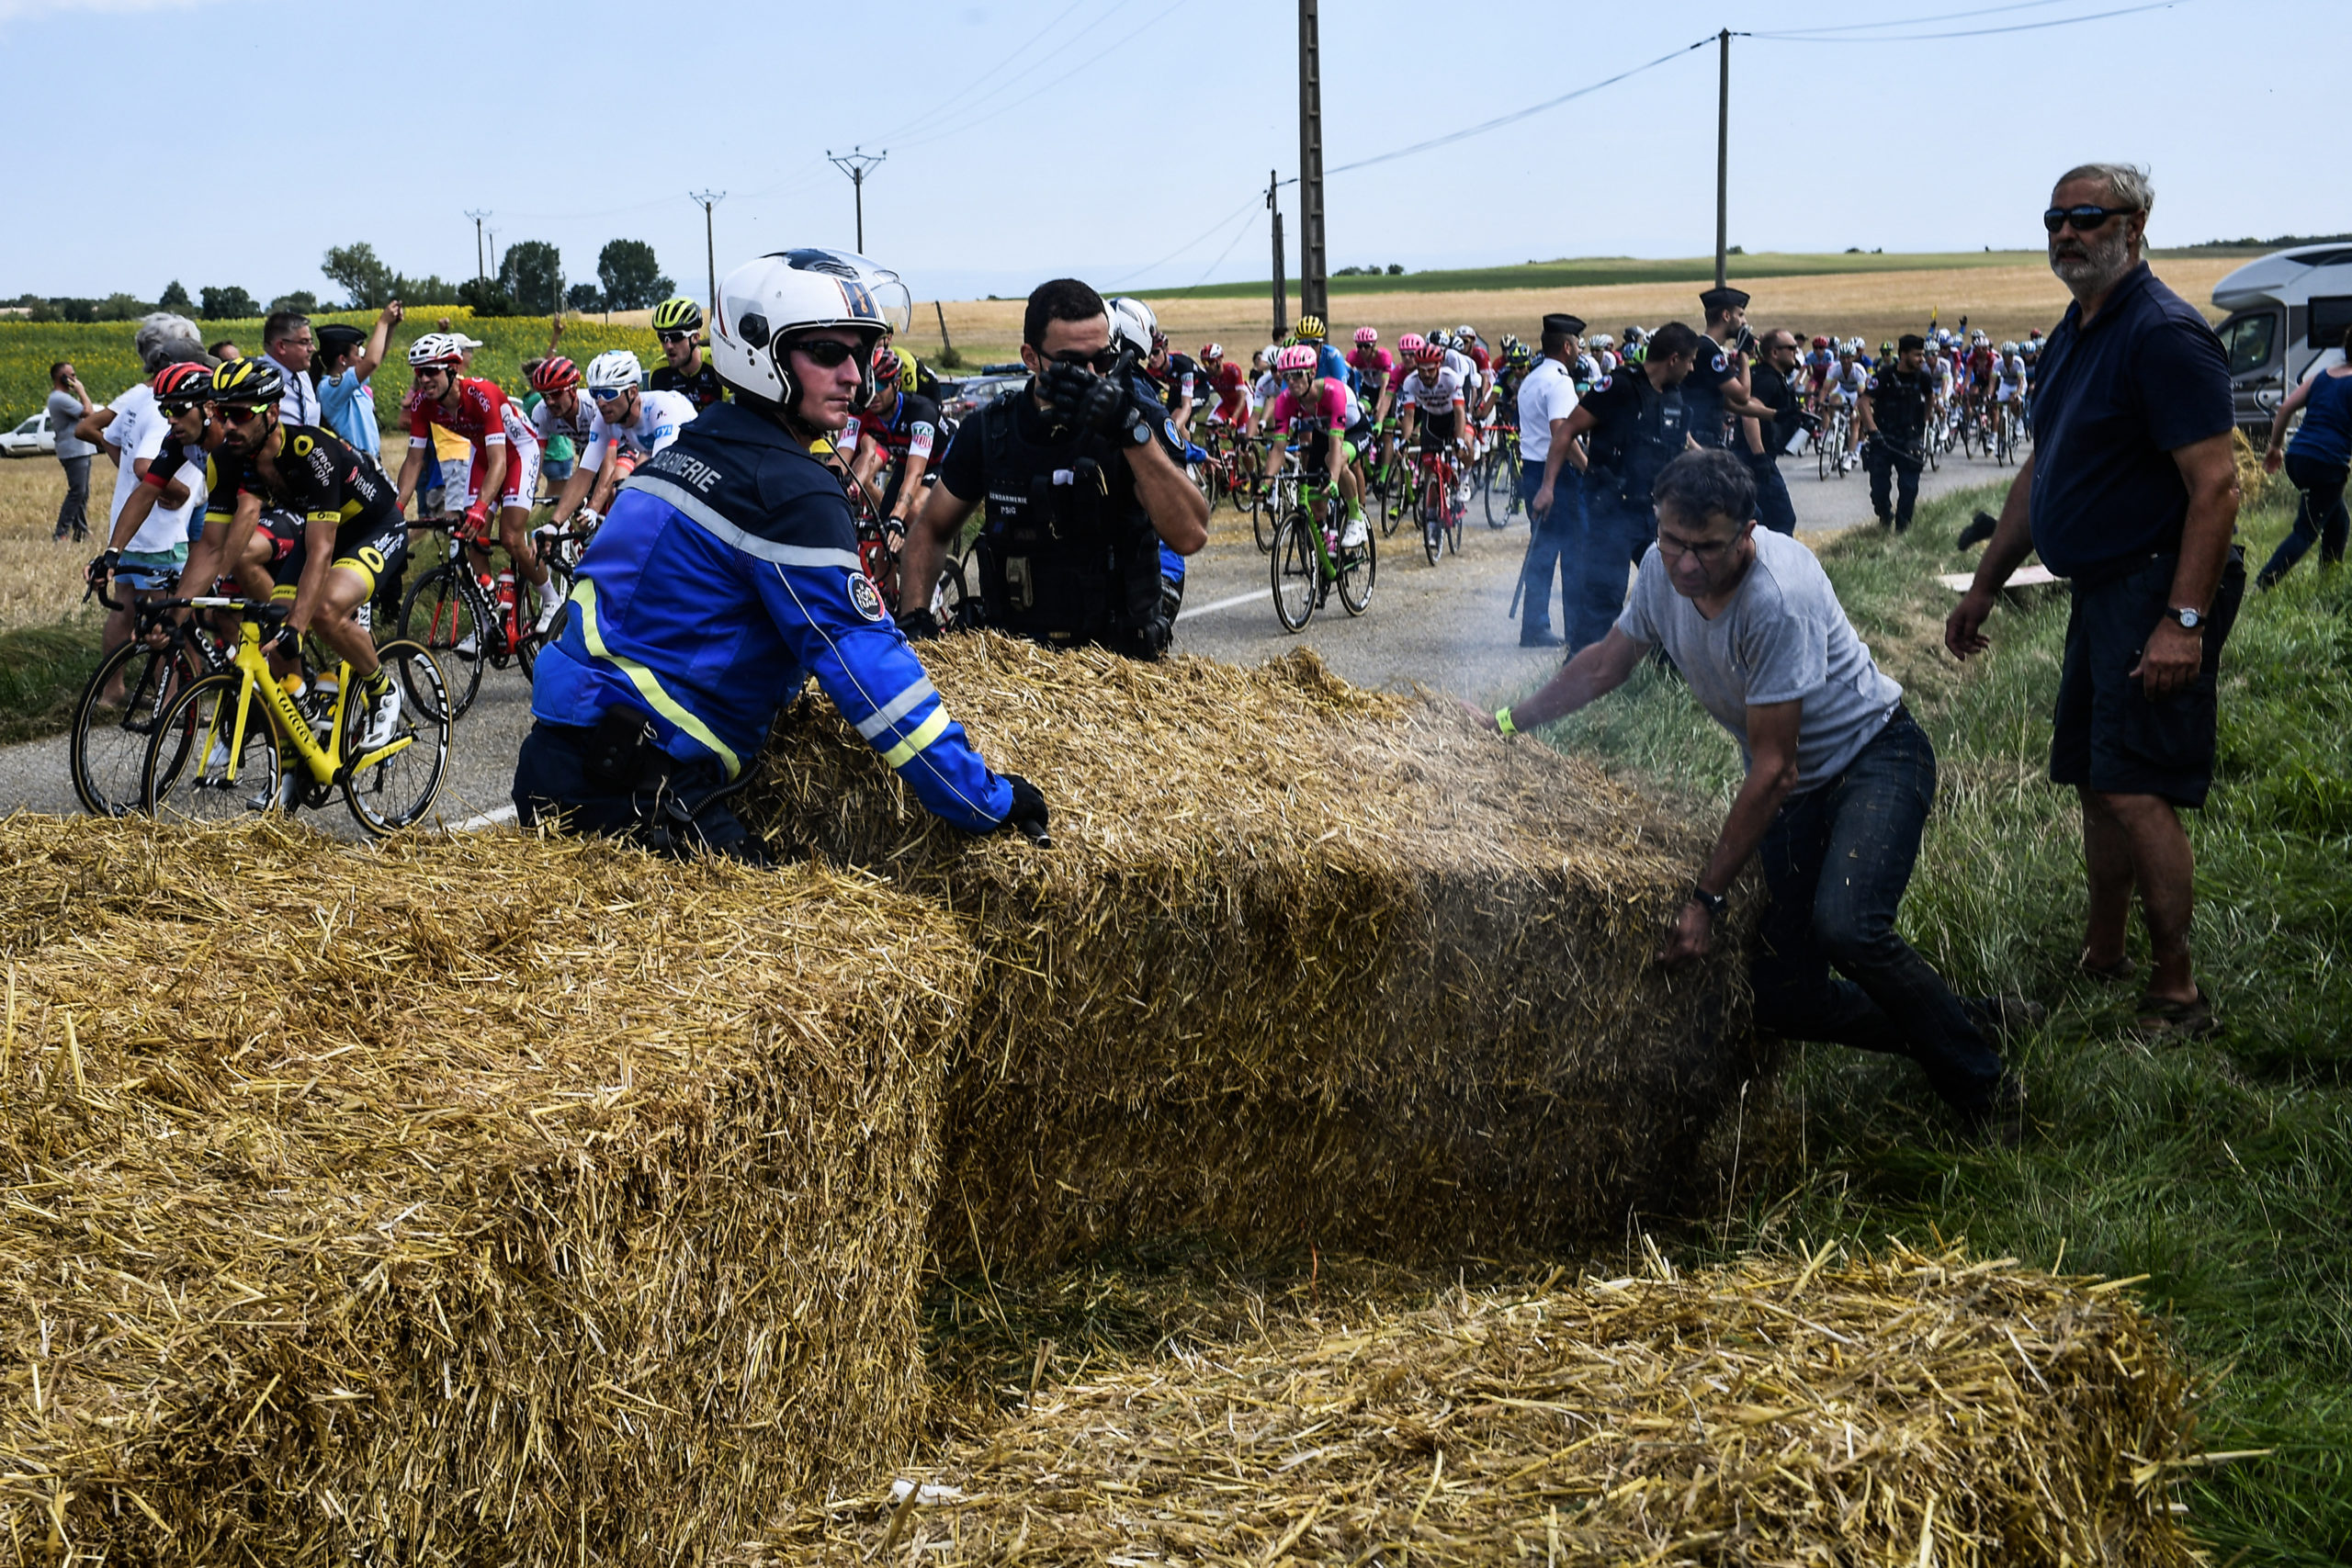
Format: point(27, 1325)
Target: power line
point(1922, 22)
point(1208, 232)
point(1976, 32)
point(995, 80)
point(1049, 86)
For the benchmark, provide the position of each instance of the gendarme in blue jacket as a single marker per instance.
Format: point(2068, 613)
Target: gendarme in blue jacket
point(727, 574)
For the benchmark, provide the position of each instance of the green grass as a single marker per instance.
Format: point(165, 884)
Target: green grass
point(42, 671)
point(1592, 272)
point(2222, 1171)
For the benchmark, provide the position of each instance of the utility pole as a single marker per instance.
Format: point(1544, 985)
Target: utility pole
point(858, 163)
point(709, 198)
point(1280, 308)
point(1312, 294)
point(1723, 152)
point(477, 217)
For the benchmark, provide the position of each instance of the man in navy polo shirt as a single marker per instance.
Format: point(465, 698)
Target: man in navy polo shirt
point(2131, 493)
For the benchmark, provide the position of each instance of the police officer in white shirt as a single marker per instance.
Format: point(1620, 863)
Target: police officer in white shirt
point(1551, 480)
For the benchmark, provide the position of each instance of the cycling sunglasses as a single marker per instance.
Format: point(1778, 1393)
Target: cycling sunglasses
point(826, 353)
point(2085, 219)
point(243, 415)
point(675, 337)
point(607, 394)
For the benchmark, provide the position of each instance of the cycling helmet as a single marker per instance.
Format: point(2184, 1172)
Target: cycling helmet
point(763, 302)
point(436, 349)
point(677, 314)
point(248, 381)
point(1978, 336)
point(1410, 346)
point(2007, 349)
point(1465, 332)
point(1367, 336)
point(1431, 353)
point(1511, 340)
point(1133, 324)
point(554, 374)
point(1634, 334)
point(1518, 356)
point(1297, 358)
point(1310, 329)
point(615, 369)
point(1887, 348)
point(1212, 351)
point(1821, 342)
point(178, 386)
point(906, 370)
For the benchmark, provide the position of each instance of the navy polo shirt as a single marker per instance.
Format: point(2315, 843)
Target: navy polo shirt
point(2111, 403)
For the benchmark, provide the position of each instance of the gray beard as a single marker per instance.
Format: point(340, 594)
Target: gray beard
point(2105, 262)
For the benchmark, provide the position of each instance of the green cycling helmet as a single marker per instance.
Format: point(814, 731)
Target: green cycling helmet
point(678, 314)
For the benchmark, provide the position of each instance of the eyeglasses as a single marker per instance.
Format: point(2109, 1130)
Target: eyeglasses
point(243, 415)
point(1706, 550)
point(607, 394)
point(2085, 219)
point(675, 337)
point(825, 352)
point(1100, 360)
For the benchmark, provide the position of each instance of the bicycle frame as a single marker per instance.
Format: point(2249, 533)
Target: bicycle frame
point(326, 764)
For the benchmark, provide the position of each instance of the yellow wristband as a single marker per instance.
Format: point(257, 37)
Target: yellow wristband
point(1503, 723)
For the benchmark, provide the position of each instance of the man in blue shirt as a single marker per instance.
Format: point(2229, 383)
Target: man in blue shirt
point(2131, 492)
point(725, 576)
point(347, 357)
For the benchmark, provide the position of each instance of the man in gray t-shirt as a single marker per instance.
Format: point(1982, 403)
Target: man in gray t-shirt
point(67, 405)
point(1838, 775)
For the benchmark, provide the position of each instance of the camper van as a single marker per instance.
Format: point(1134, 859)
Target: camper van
point(2287, 315)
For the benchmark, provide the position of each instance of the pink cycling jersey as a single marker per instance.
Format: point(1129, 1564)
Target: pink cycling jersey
point(1329, 410)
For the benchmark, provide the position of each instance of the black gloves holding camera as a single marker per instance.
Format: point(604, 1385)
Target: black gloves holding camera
point(1028, 814)
point(1097, 405)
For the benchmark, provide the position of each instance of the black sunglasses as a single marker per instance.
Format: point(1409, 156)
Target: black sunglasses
point(675, 337)
point(243, 415)
point(1100, 360)
point(825, 352)
point(2085, 219)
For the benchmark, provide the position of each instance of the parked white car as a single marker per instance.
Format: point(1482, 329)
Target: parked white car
point(33, 438)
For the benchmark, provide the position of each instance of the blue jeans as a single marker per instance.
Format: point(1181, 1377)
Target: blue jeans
point(2320, 520)
point(1616, 536)
point(1554, 543)
point(1773, 507)
point(1837, 859)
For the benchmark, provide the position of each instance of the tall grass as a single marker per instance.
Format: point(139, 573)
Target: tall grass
point(2222, 1169)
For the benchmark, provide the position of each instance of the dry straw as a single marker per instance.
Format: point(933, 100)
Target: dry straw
point(475, 1201)
point(1304, 962)
point(1909, 1410)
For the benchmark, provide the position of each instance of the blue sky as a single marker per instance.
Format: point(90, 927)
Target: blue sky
point(1119, 140)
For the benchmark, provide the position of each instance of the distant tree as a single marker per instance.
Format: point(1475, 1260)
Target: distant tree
point(584, 297)
point(371, 284)
point(228, 304)
point(119, 307)
point(487, 297)
point(632, 279)
point(301, 301)
point(175, 299)
point(531, 274)
point(43, 310)
point(1395, 270)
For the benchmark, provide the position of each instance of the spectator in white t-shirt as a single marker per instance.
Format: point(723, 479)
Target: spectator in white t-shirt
point(1551, 481)
point(69, 405)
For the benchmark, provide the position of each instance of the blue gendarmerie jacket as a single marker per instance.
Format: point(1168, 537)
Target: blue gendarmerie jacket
point(724, 577)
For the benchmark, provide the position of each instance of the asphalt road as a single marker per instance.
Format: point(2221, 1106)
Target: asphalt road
point(1442, 626)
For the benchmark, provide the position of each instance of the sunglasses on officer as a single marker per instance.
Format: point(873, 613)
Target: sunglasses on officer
point(825, 352)
point(2086, 219)
point(1099, 360)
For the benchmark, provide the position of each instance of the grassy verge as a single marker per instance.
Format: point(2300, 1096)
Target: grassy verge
point(42, 671)
point(2223, 1172)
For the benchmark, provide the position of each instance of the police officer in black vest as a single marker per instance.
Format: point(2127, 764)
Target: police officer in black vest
point(1893, 411)
point(1082, 476)
point(1725, 411)
point(1635, 423)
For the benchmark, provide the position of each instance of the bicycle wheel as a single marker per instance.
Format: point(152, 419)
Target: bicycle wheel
point(1263, 519)
point(106, 753)
point(196, 771)
point(397, 789)
point(1824, 441)
point(1296, 572)
point(1429, 512)
point(445, 613)
point(1359, 569)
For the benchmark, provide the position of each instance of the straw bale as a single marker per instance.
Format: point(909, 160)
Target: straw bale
point(1306, 962)
point(1910, 1409)
point(467, 1200)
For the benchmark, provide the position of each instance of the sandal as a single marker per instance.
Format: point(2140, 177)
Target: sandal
point(2113, 974)
point(2161, 1018)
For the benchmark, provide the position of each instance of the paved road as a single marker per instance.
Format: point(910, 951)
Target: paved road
point(1442, 626)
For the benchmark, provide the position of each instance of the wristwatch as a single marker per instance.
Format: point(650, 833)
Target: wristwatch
point(2188, 620)
point(1713, 903)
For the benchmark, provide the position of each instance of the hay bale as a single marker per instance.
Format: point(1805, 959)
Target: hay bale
point(1911, 1409)
point(1304, 961)
point(474, 1200)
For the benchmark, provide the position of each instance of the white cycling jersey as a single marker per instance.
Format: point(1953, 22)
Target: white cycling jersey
point(1466, 370)
point(660, 417)
point(2012, 377)
point(1431, 396)
point(1848, 383)
point(551, 424)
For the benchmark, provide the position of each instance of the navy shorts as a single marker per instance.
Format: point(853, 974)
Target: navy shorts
point(2109, 737)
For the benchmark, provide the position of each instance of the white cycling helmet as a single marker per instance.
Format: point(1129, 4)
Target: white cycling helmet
point(1466, 334)
point(763, 302)
point(436, 349)
point(1133, 324)
point(2007, 349)
point(615, 369)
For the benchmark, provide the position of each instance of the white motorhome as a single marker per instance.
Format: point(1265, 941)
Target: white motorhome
point(2287, 312)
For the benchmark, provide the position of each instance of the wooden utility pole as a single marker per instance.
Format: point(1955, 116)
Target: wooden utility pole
point(858, 163)
point(477, 217)
point(708, 199)
point(1312, 295)
point(1723, 152)
point(1282, 308)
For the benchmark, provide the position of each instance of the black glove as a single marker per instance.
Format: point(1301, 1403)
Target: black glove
point(102, 566)
point(1809, 422)
point(918, 624)
point(1067, 388)
point(1028, 813)
point(283, 639)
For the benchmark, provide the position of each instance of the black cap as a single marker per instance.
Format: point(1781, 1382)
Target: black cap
point(1561, 322)
point(1724, 299)
point(336, 337)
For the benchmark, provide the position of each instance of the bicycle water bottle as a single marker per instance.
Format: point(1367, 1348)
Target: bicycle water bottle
point(505, 600)
point(323, 691)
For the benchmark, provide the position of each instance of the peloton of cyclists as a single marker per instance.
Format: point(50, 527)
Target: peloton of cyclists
point(1321, 412)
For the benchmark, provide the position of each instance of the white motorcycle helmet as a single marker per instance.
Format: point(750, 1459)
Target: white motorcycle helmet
point(616, 369)
point(1131, 324)
point(763, 302)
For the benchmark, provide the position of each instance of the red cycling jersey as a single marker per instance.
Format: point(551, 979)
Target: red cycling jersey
point(487, 417)
point(1232, 394)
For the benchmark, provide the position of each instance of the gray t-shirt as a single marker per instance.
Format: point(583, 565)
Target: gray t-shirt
point(1784, 638)
point(64, 414)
